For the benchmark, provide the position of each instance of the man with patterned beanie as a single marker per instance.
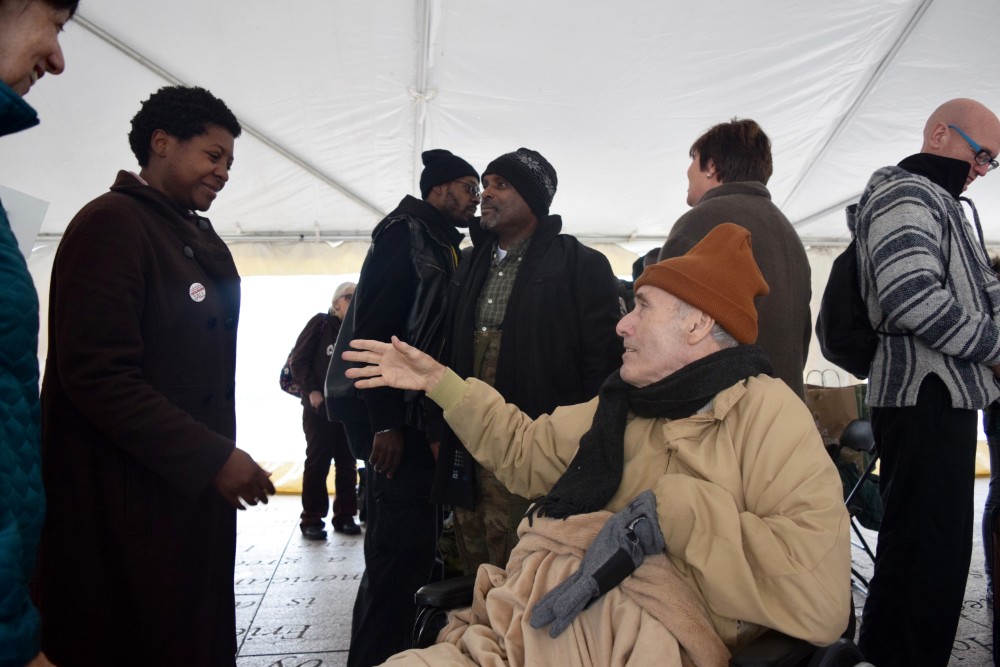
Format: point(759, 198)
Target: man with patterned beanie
point(532, 312)
point(678, 514)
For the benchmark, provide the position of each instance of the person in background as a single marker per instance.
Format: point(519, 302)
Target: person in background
point(29, 49)
point(925, 273)
point(640, 264)
point(142, 473)
point(402, 290)
point(325, 440)
point(727, 182)
point(532, 312)
point(991, 427)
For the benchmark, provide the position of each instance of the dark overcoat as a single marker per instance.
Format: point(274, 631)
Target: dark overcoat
point(784, 321)
point(559, 342)
point(138, 548)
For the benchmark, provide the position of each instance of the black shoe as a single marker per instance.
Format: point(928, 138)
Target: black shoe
point(313, 532)
point(347, 527)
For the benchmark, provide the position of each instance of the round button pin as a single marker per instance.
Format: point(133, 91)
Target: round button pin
point(197, 292)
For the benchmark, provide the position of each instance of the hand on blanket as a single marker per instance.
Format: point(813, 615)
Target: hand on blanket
point(624, 541)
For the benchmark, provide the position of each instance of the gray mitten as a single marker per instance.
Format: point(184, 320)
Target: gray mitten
point(624, 541)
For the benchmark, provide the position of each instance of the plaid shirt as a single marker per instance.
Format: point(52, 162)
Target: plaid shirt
point(499, 283)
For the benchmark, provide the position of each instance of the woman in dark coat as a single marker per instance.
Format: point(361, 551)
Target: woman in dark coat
point(141, 471)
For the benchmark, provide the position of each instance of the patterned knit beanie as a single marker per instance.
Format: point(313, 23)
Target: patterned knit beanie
point(717, 276)
point(441, 166)
point(531, 175)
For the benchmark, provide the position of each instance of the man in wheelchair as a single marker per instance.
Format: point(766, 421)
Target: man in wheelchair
point(679, 514)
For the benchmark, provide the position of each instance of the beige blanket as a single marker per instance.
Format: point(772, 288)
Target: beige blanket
point(653, 617)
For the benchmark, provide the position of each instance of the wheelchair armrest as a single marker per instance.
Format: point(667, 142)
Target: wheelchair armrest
point(773, 649)
point(858, 436)
point(433, 602)
point(447, 593)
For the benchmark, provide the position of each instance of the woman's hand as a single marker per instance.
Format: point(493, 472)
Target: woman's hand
point(241, 480)
point(393, 365)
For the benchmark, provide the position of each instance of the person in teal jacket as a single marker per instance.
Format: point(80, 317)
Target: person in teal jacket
point(29, 49)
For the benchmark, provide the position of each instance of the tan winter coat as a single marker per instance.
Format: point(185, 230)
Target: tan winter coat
point(749, 502)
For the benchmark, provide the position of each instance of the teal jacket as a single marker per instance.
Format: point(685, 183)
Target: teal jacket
point(22, 498)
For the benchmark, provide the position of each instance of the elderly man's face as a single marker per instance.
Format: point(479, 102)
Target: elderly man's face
point(655, 335)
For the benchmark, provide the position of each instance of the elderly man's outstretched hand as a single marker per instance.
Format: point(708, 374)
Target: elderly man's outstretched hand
point(393, 364)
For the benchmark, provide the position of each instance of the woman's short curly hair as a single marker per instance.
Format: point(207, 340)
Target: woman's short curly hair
point(181, 112)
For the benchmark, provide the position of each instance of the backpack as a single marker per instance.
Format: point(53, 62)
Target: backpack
point(844, 331)
point(285, 381)
point(845, 334)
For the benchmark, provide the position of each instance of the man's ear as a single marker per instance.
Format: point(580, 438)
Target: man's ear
point(938, 135)
point(436, 194)
point(699, 326)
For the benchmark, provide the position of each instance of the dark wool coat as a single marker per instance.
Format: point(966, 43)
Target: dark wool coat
point(138, 414)
point(783, 318)
point(311, 354)
point(559, 342)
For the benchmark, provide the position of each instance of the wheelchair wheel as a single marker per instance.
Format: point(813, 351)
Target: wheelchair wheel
point(843, 653)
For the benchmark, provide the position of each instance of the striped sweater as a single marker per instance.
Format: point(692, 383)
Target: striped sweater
point(927, 278)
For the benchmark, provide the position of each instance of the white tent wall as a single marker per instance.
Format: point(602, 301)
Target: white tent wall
point(338, 99)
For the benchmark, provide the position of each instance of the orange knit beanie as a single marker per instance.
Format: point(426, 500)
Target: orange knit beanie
point(717, 276)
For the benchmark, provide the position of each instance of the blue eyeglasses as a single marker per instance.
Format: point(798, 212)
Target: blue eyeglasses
point(983, 156)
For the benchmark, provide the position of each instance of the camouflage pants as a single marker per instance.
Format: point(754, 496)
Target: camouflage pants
point(488, 533)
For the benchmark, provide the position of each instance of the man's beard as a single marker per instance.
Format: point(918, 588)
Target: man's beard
point(456, 213)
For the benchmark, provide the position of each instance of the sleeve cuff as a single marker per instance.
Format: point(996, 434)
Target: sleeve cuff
point(449, 391)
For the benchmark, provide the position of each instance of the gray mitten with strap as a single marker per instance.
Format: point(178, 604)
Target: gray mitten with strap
point(624, 541)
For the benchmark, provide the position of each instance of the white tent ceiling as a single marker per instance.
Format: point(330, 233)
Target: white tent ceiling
point(338, 98)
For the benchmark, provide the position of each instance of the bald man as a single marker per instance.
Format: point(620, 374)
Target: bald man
point(929, 286)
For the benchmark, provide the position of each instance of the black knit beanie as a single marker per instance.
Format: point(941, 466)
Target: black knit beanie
point(441, 166)
point(531, 175)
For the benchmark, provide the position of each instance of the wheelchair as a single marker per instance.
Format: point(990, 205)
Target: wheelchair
point(772, 649)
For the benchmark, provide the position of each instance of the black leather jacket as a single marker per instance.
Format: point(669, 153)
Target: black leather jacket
point(402, 291)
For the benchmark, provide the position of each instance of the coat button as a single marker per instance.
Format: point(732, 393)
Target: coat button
point(203, 224)
point(230, 323)
point(212, 321)
point(188, 252)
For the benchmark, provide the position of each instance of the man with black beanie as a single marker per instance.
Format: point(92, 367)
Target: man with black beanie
point(532, 312)
point(401, 291)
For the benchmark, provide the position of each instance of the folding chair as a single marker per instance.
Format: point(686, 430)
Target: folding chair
point(857, 435)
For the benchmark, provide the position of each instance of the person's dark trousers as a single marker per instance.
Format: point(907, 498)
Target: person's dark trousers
point(926, 475)
point(326, 440)
point(400, 549)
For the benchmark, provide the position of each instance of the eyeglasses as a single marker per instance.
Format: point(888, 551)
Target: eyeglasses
point(983, 156)
point(471, 188)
